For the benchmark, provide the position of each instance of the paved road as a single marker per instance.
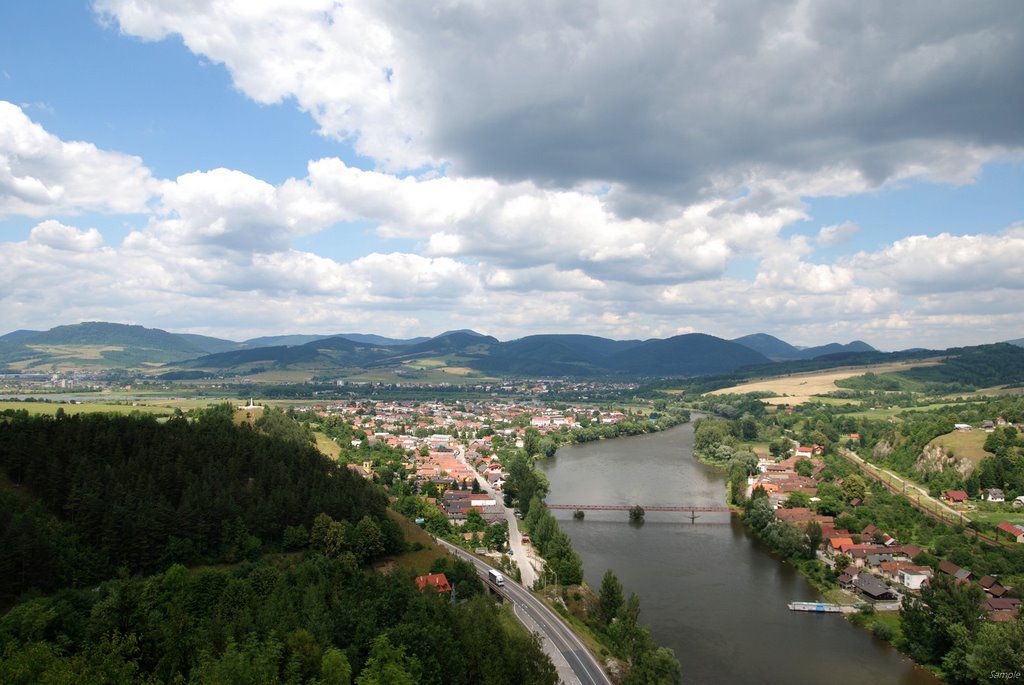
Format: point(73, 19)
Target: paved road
point(573, 660)
point(515, 539)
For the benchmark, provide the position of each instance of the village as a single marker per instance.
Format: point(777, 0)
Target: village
point(451, 454)
point(870, 564)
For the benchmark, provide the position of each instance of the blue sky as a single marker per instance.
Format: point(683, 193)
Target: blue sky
point(248, 168)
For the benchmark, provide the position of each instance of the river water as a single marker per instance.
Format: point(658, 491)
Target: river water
point(708, 589)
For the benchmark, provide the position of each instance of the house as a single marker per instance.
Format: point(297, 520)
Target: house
point(955, 496)
point(992, 586)
point(914, 577)
point(1013, 531)
point(438, 581)
point(876, 560)
point(951, 569)
point(1003, 609)
point(847, 577)
point(869, 532)
point(873, 588)
point(995, 495)
point(909, 551)
point(836, 545)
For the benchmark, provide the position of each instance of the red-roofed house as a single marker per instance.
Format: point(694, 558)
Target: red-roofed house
point(954, 496)
point(836, 544)
point(1013, 531)
point(438, 581)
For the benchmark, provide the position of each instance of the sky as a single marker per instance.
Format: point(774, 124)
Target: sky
point(822, 172)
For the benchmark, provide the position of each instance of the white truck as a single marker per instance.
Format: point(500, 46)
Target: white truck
point(496, 578)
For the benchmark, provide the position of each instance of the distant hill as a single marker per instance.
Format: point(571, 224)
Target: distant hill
point(452, 342)
point(96, 343)
point(769, 346)
point(1019, 342)
point(282, 340)
point(692, 354)
point(288, 340)
point(208, 344)
point(835, 348)
point(779, 350)
point(19, 334)
point(380, 340)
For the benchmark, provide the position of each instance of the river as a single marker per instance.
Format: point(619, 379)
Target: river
point(709, 590)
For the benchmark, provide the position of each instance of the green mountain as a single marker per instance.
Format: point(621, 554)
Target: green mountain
point(835, 348)
point(769, 346)
point(208, 344)
point(96, 344)
point(779, 350)
point(693, 354)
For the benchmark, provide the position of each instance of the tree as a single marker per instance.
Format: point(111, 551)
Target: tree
point(813, 536)
point(854, 487)
point(610, 599)
point(636, 514)
point(389, 665)
point(804, 467)
point(369, 541)
point(930, 624)
point(998, 649)
point(334, 668)
point(797, 499)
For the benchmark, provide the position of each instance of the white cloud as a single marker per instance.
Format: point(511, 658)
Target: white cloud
point(665, 101)
point(58, 236)
point(836, 234)
point(947, 263)
point(41, 174)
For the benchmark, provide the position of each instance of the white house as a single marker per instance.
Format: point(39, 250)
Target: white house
point(914, 578)
point(995, 495)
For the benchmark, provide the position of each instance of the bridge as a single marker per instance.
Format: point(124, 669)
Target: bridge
point(627, 507)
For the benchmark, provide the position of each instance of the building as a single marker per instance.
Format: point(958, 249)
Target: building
point(873, 588)
point(437, 581)
point(955, 496)
point(1014, 532)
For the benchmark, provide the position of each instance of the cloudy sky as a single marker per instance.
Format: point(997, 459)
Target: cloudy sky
point(818, 171)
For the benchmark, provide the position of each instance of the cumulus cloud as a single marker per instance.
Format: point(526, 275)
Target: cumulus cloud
point(41, 174)
point(836, 234)
point(924, 265)
point(58, 236)
point(664, 100)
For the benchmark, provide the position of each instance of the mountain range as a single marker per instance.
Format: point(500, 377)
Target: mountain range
point(109, 345)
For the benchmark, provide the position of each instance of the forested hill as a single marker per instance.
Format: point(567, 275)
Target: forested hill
point(90, 503)
point(130, 492)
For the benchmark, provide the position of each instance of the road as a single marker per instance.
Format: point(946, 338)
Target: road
point(515, 540)
point(573, 660)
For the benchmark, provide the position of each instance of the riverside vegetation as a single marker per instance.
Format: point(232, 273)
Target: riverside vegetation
point(942, 628)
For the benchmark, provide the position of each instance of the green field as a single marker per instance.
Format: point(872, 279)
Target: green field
point(86, 408)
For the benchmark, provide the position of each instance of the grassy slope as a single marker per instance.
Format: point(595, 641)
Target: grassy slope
point(964, 445)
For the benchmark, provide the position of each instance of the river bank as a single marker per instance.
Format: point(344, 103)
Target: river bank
point(709, 590)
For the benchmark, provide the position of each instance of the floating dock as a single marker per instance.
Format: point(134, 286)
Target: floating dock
point(816, 607)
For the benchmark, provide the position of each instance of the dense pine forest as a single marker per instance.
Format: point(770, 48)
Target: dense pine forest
point(134, 551)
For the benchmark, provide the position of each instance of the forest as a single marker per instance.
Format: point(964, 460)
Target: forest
point(201, 550)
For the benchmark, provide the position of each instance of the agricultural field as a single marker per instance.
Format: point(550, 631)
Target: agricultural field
point(798, 388)
point(86, 408)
